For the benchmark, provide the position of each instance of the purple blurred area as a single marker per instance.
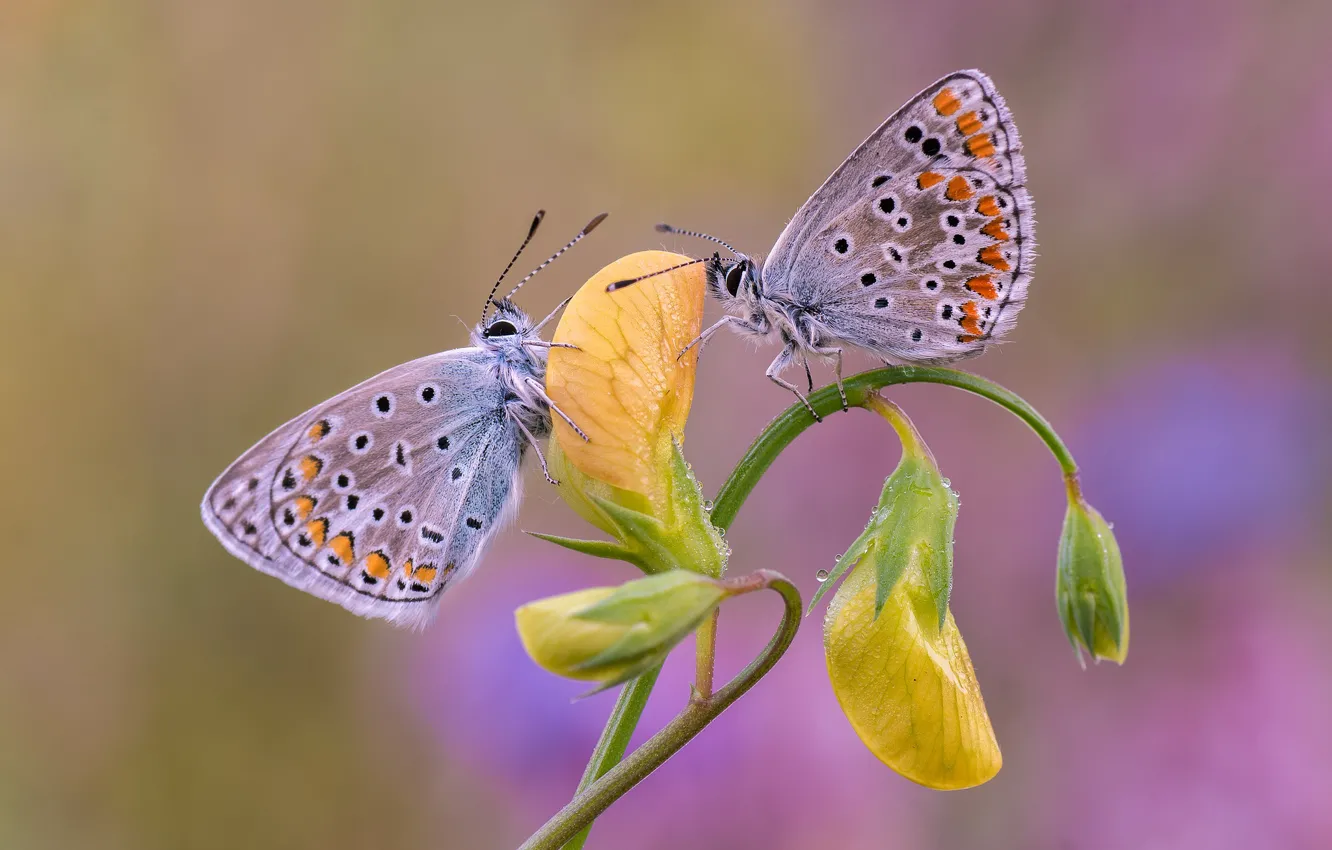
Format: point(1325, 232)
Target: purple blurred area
point(215, 215)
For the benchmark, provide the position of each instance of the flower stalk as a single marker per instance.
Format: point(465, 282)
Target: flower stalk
point(697, 714)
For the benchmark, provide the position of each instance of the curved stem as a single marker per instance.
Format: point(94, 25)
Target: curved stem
point(795, 419)
point(654, 752)
point(615, 738)
point(861, 390)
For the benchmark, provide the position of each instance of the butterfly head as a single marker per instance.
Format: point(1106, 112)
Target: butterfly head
point(507, 328)
point(734, 278)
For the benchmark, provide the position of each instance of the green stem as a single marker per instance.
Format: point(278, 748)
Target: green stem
point(765, 449)
point(795, 419)
point(654, 752)
point(615, 738)
point(705, 652)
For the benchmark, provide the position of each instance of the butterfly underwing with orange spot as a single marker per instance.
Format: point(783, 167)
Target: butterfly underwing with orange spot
point(383, 496)
point(918, 248)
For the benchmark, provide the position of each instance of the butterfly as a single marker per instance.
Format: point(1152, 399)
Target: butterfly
point(919, 247)
point(383, 496)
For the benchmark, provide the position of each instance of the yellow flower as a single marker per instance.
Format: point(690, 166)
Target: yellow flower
point(627, 387)
point(907, 685)
point(896, 659)
point(609, 635)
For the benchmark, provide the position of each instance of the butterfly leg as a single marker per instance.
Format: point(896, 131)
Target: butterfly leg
point(541, 393)
point(778, 366)
point(836, 354)
point(537, 448)
point(703, 337)
point(541, 324)
point(541, 343)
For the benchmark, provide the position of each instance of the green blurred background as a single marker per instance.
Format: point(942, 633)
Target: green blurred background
point(214, 215)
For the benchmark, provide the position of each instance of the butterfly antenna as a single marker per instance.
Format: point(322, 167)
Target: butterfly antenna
point(621, 284)
point(666, 228)
point(531, 231)
point(587, 228)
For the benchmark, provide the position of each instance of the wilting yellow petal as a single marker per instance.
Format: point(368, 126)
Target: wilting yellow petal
point(907, 687)
point(626, 385)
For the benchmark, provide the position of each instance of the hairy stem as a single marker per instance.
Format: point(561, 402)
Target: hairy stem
point(705, 653)
point(615, 738)
point(654, 752)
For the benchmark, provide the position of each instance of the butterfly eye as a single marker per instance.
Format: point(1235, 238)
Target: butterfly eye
point(734, 275)
point(500, 328)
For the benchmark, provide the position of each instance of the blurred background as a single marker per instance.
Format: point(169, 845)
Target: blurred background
point(215, 215)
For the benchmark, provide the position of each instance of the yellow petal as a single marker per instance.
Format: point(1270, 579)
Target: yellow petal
point(558, 641)
point(908, 688)
point(626, 385)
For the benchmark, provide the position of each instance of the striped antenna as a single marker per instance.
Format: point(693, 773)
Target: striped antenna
point(666, 228)
point(621, 284)
point(587, 228)
point(531, 231)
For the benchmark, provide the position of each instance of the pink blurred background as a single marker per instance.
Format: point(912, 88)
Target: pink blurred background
point(214, 215)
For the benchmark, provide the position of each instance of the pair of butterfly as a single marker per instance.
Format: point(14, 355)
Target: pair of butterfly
point(917, 249)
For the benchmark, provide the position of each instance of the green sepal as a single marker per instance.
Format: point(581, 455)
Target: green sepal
point(913, 523)
point(596, 548)
point(655, 598)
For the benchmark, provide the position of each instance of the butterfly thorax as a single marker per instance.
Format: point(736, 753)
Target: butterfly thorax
point(519, 366)
point(764, 315)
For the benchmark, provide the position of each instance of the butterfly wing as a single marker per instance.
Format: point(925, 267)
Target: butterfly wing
point(383, 496)
point(920, 246)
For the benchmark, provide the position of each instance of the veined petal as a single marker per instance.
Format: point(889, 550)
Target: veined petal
point(906, 685)
point(626, 385)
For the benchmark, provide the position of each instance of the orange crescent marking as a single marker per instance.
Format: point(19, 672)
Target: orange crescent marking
point(991, 256)
point(344, 546)
point(971, 321)
point(995, 230)
point(310, 467)
point(946, 103)
point(969, 124)
point(377, 565)
point(982, 286)
point(958, 189)
point(319, 430)
point(425, 574)
point(988, 206)
point(318, 530)
point(928, 179)
point(980, 145)
point(305, 505)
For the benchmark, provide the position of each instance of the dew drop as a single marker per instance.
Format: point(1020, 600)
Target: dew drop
point(707, 505)
point(821, 575)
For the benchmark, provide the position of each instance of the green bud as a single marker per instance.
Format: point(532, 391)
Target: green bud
point(912, 527)
point(671, 531)
point(609, 635)
point(1089, 589)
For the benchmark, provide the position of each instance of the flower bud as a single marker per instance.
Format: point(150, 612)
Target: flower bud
point(1089, 589)
point(896, 659)
point(609, 635)
point(627, 386)
point(911, 528)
